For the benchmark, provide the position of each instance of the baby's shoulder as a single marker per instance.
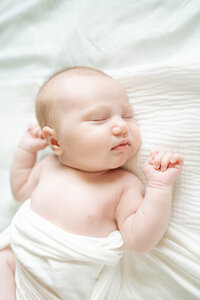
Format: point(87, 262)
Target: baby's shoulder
point(48, 165)
point(126, 175)
point(49, 160)
point(132, 182)
point(127, 178)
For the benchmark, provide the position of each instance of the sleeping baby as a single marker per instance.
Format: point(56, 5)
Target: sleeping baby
point(67, 238)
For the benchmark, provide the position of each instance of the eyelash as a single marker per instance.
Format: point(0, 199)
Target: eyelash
point(104, 119)
point(99, 120)
point(127, 117)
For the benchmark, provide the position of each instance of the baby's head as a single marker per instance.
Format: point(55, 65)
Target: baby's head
point(87, 120)
point(47, 98)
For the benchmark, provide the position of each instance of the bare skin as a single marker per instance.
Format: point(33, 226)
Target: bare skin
point(93, 135)
point(7, 275)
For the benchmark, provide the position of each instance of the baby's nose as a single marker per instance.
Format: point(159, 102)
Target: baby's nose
point(120, 129)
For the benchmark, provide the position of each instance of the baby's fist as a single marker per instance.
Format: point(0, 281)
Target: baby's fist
point(163, 167)
point(32, 140)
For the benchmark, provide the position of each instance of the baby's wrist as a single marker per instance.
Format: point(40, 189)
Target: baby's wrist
point(159, 185)
point(27, 149)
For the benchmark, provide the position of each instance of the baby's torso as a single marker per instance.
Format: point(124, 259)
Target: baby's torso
point(77, 202)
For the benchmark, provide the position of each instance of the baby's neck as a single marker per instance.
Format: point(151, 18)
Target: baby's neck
point(90, 174)
point(85, 173)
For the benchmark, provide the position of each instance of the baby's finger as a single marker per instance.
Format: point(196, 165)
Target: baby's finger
point(36, 131)
point(153, 153)
point(150, 161)
point(165, 161)
point(157, 160)
point(39, 133)
point(40, 144)
point(177, 159)
point(30, 127)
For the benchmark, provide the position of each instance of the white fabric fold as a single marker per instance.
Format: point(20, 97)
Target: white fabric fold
point(55, 264)
point(170, 271)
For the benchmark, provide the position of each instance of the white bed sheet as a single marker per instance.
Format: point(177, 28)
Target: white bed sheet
point(40, 36)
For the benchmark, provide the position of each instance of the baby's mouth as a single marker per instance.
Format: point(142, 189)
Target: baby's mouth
point(124, 145)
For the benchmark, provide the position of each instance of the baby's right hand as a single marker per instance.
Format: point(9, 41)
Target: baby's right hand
point(32, 140)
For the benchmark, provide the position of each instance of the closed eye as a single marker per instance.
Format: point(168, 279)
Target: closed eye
point(99, 120)
point(127, 117)
point(127, 113)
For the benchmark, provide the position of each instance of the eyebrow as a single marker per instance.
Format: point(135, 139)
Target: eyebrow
point(95, 107)
point(104, 106)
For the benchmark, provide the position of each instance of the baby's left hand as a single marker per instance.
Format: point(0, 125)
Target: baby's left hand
point(163, 167)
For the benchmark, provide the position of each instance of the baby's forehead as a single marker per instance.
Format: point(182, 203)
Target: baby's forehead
point(85, 83)
point(75, 88)
point(71, 78)
point(81, 74)
point(71, 81)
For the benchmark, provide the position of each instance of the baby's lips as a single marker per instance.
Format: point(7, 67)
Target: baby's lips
point(121, 147)
point(123, 143)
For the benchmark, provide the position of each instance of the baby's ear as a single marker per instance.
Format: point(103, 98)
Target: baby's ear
point(50, 136)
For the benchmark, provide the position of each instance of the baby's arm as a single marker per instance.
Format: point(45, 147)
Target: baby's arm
point(143, 220)
point(24, 172)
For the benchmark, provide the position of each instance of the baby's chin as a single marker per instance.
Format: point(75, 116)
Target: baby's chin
point(119, 163)
point(124, 160)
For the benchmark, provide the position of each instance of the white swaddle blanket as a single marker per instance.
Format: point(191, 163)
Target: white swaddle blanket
point(54, 264)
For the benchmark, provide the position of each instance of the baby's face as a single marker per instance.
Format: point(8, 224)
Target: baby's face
point(97, 130)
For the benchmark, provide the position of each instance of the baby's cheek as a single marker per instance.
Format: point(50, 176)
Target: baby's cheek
point(136, 138)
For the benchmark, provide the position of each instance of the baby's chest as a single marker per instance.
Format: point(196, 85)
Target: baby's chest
point(89, 203)
point(79, 208)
